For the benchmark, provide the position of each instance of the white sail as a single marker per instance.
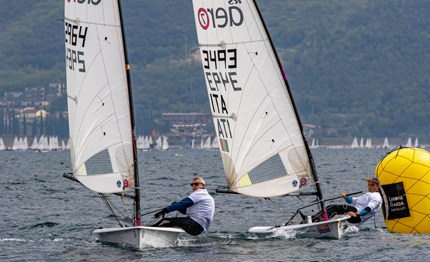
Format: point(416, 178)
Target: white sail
point(2, 147)
point(354, 143)
point(192, 143)
point(416, 142)
point(20, 143)
point(385, 144)
point(215, 144)
point(35, 144)
point(41, 143)
point(262, 146)
point(63, 145)
point(165, 144)
point(139, 142)
point(15, 145)
point(207, 143)
point(313, 143)
point(158, 143)
point(24, 144)
point(68, 144)
point(361, 143)
point(146, 143)
point(100, 127)
point(202, 144)
point(409, 143)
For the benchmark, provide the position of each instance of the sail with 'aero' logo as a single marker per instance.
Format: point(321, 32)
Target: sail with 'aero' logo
point(100, 119)
point(261, 138)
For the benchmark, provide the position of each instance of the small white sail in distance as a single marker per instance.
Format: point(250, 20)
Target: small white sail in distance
point(416, 142)
point(101, 145)
point(2, 147)
point(35, 144)
point(254, 116)
point(215, 143)
point(15, 145)
point(409, 143)
point(165, 143)
point(354, 143)
point(385, 144)
point(207, 144)
point(24, 144)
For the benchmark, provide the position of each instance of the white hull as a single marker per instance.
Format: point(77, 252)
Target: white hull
point(140, 237)
point(325, 229)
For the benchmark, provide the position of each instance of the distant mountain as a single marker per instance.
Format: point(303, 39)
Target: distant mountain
point(358, 67)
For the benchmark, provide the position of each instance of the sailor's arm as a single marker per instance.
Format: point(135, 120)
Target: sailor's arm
point(181, 206)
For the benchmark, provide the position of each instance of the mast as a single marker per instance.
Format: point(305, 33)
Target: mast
point(133, 126)
point(311, 160)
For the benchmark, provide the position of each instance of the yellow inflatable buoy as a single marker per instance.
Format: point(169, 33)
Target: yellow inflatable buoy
point(405, 189)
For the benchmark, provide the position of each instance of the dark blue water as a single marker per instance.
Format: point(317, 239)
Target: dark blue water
point(45, 217)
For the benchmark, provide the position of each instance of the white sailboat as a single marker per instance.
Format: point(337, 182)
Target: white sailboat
point(262, 143)
point(192, 143)
point(369, 143)
point(215, 144)
point(68, 144)
point(139, 142)
point(35, 144)
point(207, 143)
point(2, 147)
point(165, 143)
point(20, 143)
point(361, 143)
point(385, 144)
point(409, 143)
point(15, 145)
point(63, 145)
point(43, 143)
point(101, 120)
point(416, 143)
point(24, 145)
point(146, 144)
point(354, 143)
point(159, 143)
point(202, 144)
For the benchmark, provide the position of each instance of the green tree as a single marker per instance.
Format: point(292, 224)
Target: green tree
point(24, 123)
point(15, 125)
point(34, 127)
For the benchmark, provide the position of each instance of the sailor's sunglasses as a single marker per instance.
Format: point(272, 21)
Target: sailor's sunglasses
point(195, 184)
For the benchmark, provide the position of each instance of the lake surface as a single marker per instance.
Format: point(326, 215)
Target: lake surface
point(45, 217)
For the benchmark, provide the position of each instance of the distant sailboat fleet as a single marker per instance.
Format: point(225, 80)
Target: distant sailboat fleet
point(145, 143)
point(44, 143)
point(385, 144)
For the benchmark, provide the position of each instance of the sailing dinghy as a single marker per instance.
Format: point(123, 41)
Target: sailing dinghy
point(263, 146)
point(101, 120)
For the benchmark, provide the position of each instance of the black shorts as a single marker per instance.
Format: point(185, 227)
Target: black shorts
point(333, 210)
point(188, 224)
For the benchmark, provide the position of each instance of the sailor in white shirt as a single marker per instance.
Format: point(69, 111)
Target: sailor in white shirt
point(199, 208)
point(363, 207)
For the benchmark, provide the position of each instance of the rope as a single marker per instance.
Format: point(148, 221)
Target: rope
point(126, 207)
point(274, 205)
point(108, 204)
point(110, 208)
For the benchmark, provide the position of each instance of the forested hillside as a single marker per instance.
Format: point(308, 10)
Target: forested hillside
point(360, 67)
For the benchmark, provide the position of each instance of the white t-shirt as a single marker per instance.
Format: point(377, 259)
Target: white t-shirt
point(370, 199)
point(203, 209)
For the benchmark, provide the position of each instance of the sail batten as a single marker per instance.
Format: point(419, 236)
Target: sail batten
point(261, 141)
